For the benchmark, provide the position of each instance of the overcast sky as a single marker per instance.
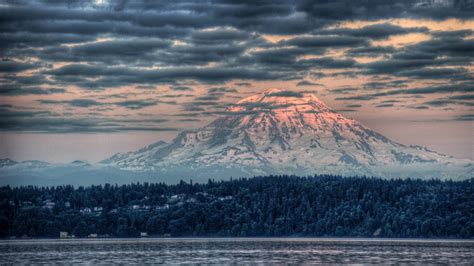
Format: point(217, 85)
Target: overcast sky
point(86, 79)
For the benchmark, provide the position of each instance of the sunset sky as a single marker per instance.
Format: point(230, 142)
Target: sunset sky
point(86, 79)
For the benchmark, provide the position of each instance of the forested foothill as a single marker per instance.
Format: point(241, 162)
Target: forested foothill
point(272, 206)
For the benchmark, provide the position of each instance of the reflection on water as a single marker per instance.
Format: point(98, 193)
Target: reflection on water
point(236, 250)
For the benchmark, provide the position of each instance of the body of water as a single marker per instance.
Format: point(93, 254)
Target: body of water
point(237, 250)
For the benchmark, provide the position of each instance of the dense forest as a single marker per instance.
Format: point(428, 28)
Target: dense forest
point(260, 206)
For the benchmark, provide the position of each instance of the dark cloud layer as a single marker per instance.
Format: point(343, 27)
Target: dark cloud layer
point(45, 121)
point(50, 46)
point(86, 103)
point(451, 49)
point(307, 83)
point(16, 91)
point(451, 88)
point(468, 117)
point(287, 94)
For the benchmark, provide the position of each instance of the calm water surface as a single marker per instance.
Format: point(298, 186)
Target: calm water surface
point(236, 250)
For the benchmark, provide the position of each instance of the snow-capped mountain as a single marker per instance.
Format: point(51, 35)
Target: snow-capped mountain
point(7, 162)
point(24, 165)
point(283, 132)
point(74, 173)
point(275, 132)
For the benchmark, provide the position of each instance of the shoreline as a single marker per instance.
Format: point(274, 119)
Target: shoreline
point(243, 239)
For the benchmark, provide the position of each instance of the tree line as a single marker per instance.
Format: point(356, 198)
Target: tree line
point(321, 205)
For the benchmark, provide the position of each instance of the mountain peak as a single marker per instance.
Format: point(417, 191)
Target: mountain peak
point(279, 99)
